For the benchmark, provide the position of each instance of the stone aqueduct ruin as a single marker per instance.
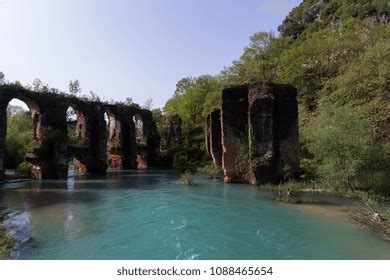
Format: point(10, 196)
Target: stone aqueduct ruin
point(128, 141)
point(262, 119)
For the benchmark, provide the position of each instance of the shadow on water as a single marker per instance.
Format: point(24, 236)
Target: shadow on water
point(31, 195)
point(77, 189)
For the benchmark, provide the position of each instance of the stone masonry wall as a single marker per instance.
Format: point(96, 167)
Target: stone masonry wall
point(265, 119)
point(49, 157)
point(234, 128)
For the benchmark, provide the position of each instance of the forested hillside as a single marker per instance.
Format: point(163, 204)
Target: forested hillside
point(337, 54)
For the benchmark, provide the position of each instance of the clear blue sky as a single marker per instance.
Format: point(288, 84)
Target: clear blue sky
point(134, 48)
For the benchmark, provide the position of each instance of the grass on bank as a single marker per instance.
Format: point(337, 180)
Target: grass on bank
point(6, 242)
point(372, 214)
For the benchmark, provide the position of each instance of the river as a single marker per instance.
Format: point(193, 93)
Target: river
point(150, 215)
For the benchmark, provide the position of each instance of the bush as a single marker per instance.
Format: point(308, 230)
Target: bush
point(242, 163)
point(6, 243)
point(186, 178)
point(24, 168)
point(211, 171)
point(346, 151)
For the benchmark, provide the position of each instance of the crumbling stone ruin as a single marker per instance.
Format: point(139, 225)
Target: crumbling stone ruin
point(261, 121)
point(129, 140)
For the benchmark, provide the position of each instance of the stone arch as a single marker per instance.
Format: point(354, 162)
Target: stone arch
point(114, 147)
point(76, 119)
point(77, 138)
point(113, 125)
point(35, 113)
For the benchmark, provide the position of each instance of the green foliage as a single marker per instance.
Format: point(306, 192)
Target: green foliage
point(183, 161)
point(187, 178)
point(309, 63)
point(74, 87)
point(211, 170)
point(337, 54)
point(6, 242)
point(75, 141)
point(19, 139)
point(312, 15)
point(159, 120)
point(364, 86)
point(24, 168)
point(193, 100)
point(259, 62)
point(242, 163)
point(347, 152)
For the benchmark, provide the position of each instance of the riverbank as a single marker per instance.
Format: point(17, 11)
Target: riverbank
point(370, 213)
point(7, 243)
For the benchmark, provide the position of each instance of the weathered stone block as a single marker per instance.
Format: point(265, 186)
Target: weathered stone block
point(234, 128)
point(273, 132)
point(49, 158)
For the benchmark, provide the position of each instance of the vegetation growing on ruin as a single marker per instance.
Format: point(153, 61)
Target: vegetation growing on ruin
point(337, 54)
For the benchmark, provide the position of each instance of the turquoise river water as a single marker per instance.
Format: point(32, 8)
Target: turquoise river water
point(150, 215)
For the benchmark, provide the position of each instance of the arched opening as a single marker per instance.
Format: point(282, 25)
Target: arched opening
point(142, 152)
point(114, 153)
point(77, 140)
point(22, 136)
point(139, 129)
point(107, 120)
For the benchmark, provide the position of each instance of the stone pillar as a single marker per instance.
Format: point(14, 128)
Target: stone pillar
point(261, 135)
point(50, 159)
point(234, 128)
point(273, 133)
point(286, 131)
point(216, 137)
point(94, 156)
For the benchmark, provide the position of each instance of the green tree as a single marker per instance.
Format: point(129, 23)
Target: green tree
point(346, 151)
point(18, 140)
